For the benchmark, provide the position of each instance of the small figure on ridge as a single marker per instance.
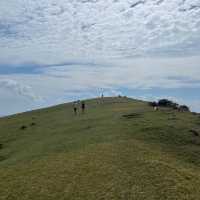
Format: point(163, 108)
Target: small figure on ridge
point(83, 106)
point(75, 107)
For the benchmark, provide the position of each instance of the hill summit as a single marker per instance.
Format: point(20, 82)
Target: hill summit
point(119, 149)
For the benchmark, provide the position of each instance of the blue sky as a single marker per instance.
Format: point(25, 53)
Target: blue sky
point(58, 51)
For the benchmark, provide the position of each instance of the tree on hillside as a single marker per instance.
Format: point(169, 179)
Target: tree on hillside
point(184, 108)
point(153, 104)
point(167, 103)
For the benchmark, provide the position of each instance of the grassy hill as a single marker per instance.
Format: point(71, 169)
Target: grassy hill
point(119, 149)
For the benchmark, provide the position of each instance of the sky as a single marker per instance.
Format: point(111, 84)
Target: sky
point(56, 51)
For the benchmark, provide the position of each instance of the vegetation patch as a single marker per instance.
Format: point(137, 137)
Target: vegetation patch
point(132, 115)
point(194, 132)
point(169, 104)
point(2, 158)
point(23, 127)
point(33, 124)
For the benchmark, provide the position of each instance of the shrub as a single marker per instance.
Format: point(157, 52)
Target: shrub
point(33, 124)
point(169, 104)
point(165, 103)
point(23, 127)
point(153, 104)
point(195, 133)
point(184, 108)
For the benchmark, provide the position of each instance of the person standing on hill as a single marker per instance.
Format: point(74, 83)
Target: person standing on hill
point(75, 107)
point(83, 106)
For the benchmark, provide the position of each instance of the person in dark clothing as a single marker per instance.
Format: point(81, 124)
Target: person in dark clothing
point(75, 107)
point(83, 106)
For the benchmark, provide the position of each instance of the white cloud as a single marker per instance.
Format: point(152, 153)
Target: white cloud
point(139, 73)
point(53, 31)
point(18, 89)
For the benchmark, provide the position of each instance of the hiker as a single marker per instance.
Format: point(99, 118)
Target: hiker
point(75, 106)
point(83, 106)
point(155, 108)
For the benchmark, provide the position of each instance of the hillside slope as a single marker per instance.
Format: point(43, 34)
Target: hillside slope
point(119, 149)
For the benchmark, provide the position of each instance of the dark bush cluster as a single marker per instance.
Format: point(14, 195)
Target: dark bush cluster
point(153, 103)
point(184, 108)
point(169, 104)
point(23, 127)
point(194, 132)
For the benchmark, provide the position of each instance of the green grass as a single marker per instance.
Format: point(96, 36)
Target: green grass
point(119, 149)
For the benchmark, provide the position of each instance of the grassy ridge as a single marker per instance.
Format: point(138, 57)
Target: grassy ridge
point(119, 149)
